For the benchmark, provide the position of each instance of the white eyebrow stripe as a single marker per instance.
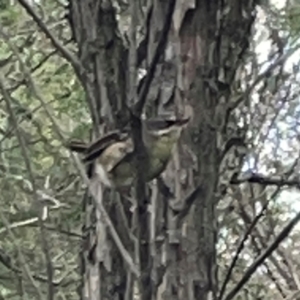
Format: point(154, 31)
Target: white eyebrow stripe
point(162, 131)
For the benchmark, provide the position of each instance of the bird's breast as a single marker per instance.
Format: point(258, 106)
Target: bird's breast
point(159, 155)
point(103, 176)
point(121, 176)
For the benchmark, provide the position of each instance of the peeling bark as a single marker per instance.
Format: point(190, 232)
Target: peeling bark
point(103, 57)
point(197, 73)
point(104, 60)
point(212, 40)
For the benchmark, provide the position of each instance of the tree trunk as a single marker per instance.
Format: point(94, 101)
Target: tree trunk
point(103, 61)
point(208, 40)
point(211, 43)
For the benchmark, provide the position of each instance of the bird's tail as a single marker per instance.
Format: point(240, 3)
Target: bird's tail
point(77, 146)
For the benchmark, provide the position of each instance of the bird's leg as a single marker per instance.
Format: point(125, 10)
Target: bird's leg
point(164, 189)
point(127, 194)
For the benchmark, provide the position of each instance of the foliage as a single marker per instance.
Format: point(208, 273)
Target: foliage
point(39, 81)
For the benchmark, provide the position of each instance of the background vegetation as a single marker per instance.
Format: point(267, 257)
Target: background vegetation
point(64, 71)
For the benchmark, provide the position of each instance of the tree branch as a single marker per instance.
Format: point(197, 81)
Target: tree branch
point(74, 159)
point(138, 107)
point(22, 144)
point(263, 75)
point(260, 260)
point(240, 248)
point(260, 179)
point(66, 53)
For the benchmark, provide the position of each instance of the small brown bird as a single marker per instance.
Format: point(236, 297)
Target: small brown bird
point(111, 157)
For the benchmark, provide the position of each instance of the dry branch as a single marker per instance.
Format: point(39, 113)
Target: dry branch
point(260, 260)
point(66, 53)
point(263, 180)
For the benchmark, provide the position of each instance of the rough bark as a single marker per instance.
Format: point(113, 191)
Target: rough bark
point(211, 42)
point(103, 59)
point(208, 41)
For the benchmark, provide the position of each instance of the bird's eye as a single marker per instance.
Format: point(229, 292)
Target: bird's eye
point(122, 150)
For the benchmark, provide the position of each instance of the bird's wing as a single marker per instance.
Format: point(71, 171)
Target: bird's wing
point(96, 147)
point(77, 146)
point(116, 153)
point(103, 144)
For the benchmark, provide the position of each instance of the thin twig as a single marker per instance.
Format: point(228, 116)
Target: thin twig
point(133, 53)
point(260, 260)
point(138, 107)
point(240, 248)
point(22, 144)
point(79, 167)
point(66, 53)
point(127, 258)
point(262, 76)
point(31, 176)
point(263, 180)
